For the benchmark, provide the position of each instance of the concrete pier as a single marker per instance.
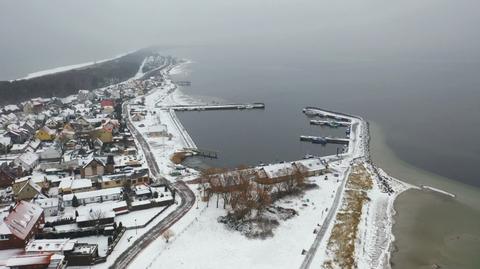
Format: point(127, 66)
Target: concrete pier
point(217, 107)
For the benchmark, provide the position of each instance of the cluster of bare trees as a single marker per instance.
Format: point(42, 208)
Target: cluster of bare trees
point(244, 191)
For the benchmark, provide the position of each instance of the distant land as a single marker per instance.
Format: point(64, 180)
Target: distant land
point(65, 83)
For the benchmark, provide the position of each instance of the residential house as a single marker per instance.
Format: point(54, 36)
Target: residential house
point(7, 176)
point(97, 196)
point(105, 135)
point(33, 145)
point(51, 154)
point(19, 148)
point(87, 220)
point(92, 168)
point(45, 134)
point(83, 254)
point(26, 189)
point(27, 160)
point(55, 246)
point(10, 109)
point(54, 123)
point(30, 126)
point(311, 167)
point(17, 136)
point(36, 261)
point(5, 144)
point(72, 185)
point(107, 102)
point(22, 223)
point(132, 177)
point(50, 206)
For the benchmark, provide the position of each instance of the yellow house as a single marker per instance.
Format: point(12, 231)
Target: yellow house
point(45, 134)
point(103, 134)
point(25, 189)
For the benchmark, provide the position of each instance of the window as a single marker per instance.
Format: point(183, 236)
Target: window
point(3, 237)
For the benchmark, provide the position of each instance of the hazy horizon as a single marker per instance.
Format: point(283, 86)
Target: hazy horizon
point(40, 35)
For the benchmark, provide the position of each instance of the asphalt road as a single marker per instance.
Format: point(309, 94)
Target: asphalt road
point(187, 201)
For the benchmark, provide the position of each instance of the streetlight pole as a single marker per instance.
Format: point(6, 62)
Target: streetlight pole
point(136, 227)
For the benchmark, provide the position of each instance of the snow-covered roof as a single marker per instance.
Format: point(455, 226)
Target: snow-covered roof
point(5, 140)
point(74, 184)
point(28, 158)
point(50, 245)
point(48, 130)
point(11, 108)
point(142, 189)
point(87, 162)
point(23, 218)
point(26, 260)
point(313, 164)
point(278, 170)
point(47, 202)
point(96, 193)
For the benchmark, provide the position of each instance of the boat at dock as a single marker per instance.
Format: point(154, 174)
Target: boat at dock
point(330, 123)
point(324, 140)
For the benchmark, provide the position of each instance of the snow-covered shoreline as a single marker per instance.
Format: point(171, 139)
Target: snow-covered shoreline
point(65, 68)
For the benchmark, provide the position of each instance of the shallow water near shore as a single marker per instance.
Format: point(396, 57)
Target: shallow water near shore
point(430, 228)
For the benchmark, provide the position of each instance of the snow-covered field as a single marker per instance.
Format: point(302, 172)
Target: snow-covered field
point(209, 244)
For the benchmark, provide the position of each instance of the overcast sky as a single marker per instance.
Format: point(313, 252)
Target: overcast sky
point(41, 34)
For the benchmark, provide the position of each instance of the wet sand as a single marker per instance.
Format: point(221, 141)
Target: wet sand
point(431, 229)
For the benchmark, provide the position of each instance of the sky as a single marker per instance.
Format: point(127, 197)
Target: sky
point(43, 34)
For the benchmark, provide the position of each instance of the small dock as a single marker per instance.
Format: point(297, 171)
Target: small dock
point(203, 153)
point(330, 123)
point(315, 112)
point(324, 140)
point(183, 83)
point(218, 107)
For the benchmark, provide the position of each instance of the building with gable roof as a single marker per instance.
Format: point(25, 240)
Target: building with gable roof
point(92, 168)
point(22, 223)
point(26, 189)
point(45, 134)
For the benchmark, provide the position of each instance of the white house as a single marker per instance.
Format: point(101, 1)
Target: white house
point(51, 206)
point(57, 246)
point(27, 160)
point(52, 153)
point(69, 185)
point(97, 196)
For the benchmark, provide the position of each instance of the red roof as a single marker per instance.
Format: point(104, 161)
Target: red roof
point(23, 218)
point(106, 102)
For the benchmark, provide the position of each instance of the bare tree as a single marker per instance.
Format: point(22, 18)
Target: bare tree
point(96, 214)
